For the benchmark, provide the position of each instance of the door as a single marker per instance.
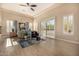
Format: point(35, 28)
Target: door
point(47, 28)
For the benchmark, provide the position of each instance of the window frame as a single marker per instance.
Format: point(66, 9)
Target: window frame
point(68, 18)
point(45, 28)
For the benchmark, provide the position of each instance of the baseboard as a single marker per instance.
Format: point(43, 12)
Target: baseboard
point(73, 42)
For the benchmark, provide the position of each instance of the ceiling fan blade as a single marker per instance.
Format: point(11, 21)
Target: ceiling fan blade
point(33, 5)
point(22, 5)
point(32, 9)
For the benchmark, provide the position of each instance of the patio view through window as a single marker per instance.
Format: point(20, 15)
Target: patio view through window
point(68, 24)
point(48, 28)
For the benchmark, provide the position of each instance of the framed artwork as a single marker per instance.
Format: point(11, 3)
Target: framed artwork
point(21, 26)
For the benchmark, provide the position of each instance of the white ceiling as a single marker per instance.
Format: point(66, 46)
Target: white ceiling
point(26, 10)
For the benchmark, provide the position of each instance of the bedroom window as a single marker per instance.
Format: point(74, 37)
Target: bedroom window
point(68, 24)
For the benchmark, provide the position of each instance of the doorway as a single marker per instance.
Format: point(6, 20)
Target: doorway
point(47, 28)
point(10, 24)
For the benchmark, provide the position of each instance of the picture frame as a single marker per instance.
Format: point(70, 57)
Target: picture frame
point(21, 26)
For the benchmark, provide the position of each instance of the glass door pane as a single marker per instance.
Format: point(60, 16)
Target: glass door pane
point(51, 28)
point(43, 29)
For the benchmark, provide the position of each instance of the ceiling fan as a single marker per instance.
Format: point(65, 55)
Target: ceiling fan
point(29, 5)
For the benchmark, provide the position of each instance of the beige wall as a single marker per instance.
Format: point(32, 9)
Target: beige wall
point(59, 12)
point(11, 15)
point(62, 47)
point(68, 45)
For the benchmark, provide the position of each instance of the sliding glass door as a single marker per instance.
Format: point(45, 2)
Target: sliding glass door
point(50, 28)
point(47, 28)
point(43, 29)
